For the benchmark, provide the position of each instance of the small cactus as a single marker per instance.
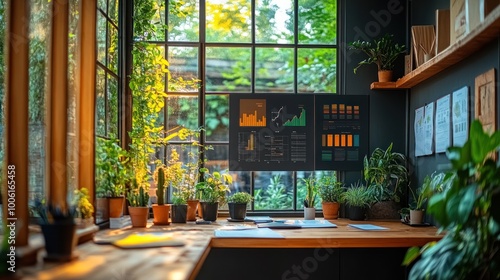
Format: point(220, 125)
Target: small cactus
point(143, 197)
point(160, 187)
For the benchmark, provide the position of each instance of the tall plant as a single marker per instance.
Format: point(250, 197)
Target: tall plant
point(469, 212)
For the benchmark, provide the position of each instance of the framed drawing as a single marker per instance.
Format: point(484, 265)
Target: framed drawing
point(485, 100)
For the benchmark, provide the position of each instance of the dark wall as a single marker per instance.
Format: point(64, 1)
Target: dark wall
point(455, 77)
point(367, 20)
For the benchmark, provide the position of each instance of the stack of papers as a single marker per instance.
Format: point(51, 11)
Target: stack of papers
point(299, 224)
point(247, 232)
point(367, 227)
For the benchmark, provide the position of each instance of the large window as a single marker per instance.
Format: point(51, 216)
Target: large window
point(243, 46)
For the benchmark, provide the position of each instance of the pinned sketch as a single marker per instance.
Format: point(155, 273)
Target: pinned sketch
point(460, 116)
point(424, 130)
point(443, 124)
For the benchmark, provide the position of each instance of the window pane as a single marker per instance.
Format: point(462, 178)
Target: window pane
point(273, 191)
point(113, 11)
point(158, 20)
point(228, 69)
point(113, 48)
point(183, 69)
point(274, 21)
point(217, 158)
point(182, 112)
point(317, 21)
point(317, 70)
point(100, 102)
point(274, 70)
point(103, 5)
point(184, 21)
point(38, 63)
point(228, 21)
point(217, 117)
point(112, 110)
point(101, 38)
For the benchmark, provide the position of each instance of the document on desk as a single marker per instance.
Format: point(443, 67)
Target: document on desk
point(367, 227)
point(247, 233)
point(312, 223)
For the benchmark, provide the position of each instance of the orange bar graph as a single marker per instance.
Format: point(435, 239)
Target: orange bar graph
point(349, 140)
point(337, 140)
point(342, 140)
point(252, 120)
point(330, 140)
point(323, 140)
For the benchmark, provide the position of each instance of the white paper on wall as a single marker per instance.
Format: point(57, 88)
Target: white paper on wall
point(442, 138)
point(460, 116)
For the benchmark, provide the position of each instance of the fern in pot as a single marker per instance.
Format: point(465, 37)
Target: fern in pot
point(357, 199)
point(330, 191)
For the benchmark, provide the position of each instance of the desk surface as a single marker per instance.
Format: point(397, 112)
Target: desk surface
point(109, 262)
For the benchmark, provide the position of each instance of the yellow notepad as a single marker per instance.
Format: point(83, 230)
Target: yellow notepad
point(147, 240)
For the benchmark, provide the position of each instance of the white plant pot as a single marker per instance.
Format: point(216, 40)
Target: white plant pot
point(416, 217)
point(309, 213)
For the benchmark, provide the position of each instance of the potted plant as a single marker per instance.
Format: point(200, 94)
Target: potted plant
point(385, 173)
point(330, 191)
point(59, 231)
point(161, 211)
point(310, 199)
point(138, 199)
point(382, 52)
point(357, 199)
point(468, 212)
point(112, 174)
point(212, 192)
point(83, 208)
point(237, 204)
point(179, 210)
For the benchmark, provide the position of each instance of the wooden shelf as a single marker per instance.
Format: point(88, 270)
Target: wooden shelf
point(487, 31)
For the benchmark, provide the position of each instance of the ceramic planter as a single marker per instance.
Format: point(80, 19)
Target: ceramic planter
point(209, 210)
point(161, 214)
point(309, 213)
point(138, 216)
point(357, 213)
point(116, 206)
point(60, 241)
point(191, 210)
point(179, 213)
point(330, 210)
point(416, 217)
point(384, 75)
point(237, 211)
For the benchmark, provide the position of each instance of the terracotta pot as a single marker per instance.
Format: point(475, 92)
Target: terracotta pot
point(138, 216)
point(200, 210)
point(161, 214)
point(384, 75)
point(116, 206)
point(191, 210)
point(330, 210)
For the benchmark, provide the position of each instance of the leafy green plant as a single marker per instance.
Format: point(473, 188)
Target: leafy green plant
point(385, 172)
point(138, 197)
point(53, 214)
point(311, 191)
point(274, 197)
point(357, 195)
point(214, 186)
point(178, 200)
point(240, 197)
point(469, 214)
point(382, 52)
point(112, 168)
point(435, 183)
point(329, 189)
point(84, 209)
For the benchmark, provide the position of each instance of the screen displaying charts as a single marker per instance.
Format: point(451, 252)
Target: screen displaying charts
point(341, 131)
point(271, 132)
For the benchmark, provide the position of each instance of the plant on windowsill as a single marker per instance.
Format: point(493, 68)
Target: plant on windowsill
point(469, 214)
point(385, 173)
point(161, 211)
point(357, 199)
point(212, 192)
point(59, 231)
point(179, 209)
point(382, 52)
point(310, 199)
point(138, 199)
point(330, 191)
point(237, 204)
point(84, 209)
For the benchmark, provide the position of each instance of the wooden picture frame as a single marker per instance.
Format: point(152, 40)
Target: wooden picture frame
point(485, 100)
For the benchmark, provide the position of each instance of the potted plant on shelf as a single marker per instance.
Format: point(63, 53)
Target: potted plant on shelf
point(310, 199)
point(212, 191)
point(237, 204)
point(112, 174)
point(83, 208)
point(179, 209)
point(330, 191)
point(138, 199)
point(385, 173)
point(382, 52)
point(59, 231)
point(357, 199)
point(161, 211)
point(468, 213)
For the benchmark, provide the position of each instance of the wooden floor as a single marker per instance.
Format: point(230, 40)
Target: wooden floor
point(97, 261)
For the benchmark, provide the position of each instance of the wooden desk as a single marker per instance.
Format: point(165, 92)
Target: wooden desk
point(108, 262)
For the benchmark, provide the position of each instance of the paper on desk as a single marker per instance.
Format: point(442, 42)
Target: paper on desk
point(311, 223)
point(249, 233)
point(367, 227)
